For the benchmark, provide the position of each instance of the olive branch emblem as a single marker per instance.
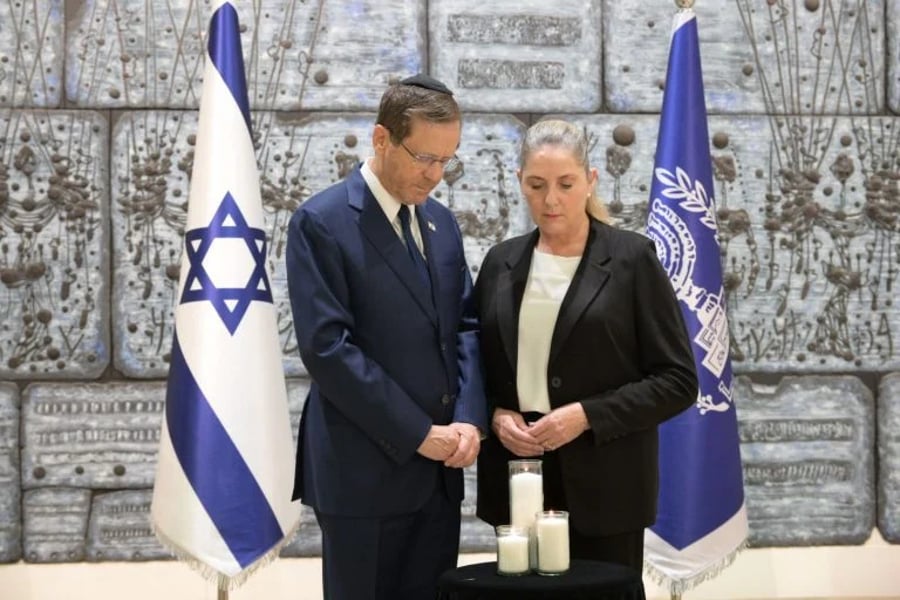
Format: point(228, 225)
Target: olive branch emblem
point(691, 195)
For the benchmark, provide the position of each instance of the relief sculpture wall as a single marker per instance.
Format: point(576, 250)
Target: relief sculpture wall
point(98, 121)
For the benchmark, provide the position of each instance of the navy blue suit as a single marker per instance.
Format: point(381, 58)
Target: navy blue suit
point(386, 359)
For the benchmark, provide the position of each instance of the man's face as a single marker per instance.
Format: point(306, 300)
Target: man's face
point(407, 179)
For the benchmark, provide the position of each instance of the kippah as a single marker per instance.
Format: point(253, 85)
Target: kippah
point(429, 83)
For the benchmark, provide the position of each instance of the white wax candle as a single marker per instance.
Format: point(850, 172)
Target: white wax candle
point(526, 497)
point(512, 554)
point(553, 545)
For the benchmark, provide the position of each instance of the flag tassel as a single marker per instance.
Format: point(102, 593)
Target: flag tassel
point(223, 582)
point(677, 587)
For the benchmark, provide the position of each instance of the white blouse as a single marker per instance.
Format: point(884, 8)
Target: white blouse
point(548, 282)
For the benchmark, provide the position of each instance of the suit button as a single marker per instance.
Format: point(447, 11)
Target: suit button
point(445, 399)
point(443, 347)
point(556, 382)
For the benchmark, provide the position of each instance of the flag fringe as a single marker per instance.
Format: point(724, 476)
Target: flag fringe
point(677, 587)
point(222, 581)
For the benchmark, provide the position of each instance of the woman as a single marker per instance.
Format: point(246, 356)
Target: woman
point(585, 352)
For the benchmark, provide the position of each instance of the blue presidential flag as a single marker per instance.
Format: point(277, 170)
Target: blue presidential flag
point(222, 494)
point(701, 521)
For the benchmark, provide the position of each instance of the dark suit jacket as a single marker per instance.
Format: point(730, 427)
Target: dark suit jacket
point(386, 363)
point(619, 347)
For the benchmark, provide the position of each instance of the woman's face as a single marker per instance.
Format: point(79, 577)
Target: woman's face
point(556, 187)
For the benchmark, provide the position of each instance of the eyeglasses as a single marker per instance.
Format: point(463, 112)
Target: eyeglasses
point(426, 160)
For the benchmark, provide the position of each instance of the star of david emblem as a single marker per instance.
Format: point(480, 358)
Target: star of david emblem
point(231, 303)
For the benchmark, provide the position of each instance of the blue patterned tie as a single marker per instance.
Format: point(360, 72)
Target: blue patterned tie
point(412, 248)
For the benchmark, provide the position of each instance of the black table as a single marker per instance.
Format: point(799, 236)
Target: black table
point(585, 580)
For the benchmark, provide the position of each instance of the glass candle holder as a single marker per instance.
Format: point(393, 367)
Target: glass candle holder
point(526, 498)
point(552, 533)
point(512, 550)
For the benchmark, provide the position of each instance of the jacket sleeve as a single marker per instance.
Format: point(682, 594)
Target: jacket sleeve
point(665, 359)
point(470, 403)
point(351, 381)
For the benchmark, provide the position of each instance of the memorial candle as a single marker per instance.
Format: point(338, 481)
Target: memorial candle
point(512, 550)
point(552, 529)
point(526, 497)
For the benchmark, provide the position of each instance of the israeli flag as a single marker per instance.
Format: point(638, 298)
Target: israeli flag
point(222, 495)
point(701, 521)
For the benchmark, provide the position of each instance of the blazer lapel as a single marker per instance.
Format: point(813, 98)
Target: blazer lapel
point(375, 226)
point(510, 290)
point(589, 279)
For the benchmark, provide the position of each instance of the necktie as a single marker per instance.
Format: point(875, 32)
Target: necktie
point(412, 249)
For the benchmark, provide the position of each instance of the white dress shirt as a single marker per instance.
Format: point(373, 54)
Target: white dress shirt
point(391, 206)
point(548, 281)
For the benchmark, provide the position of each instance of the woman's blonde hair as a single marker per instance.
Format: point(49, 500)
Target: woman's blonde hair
point(556, 132)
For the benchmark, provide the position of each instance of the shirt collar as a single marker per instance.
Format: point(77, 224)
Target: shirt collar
point(390, 205)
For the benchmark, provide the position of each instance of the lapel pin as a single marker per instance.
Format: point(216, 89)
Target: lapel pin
point(431, 226)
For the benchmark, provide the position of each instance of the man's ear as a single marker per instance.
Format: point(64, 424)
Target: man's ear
point(381, 137)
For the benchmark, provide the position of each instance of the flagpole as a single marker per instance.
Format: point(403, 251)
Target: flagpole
point(682, 5)
point(223, 594)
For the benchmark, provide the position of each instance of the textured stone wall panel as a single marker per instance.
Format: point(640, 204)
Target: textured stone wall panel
point(54, 249)
point(474, 534)
point(298, 54)
point(484, 192)
point(807, 448)
point(814, 57)
point(10, 484)
point(31, 53)
point(807, 212)
point(525, 56)
point(55, 524)
point(94, 436)
point(892, 26)
point(119, 528)
point(152, 157)
point(889, 457)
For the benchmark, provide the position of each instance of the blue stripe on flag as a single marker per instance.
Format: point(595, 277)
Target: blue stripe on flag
point(215, 468)
point(701, 486)
point(224, 49)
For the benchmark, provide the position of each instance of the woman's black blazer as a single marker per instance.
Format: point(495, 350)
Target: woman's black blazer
point(619, 347)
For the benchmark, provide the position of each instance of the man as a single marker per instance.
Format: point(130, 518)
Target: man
point(381, 297)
